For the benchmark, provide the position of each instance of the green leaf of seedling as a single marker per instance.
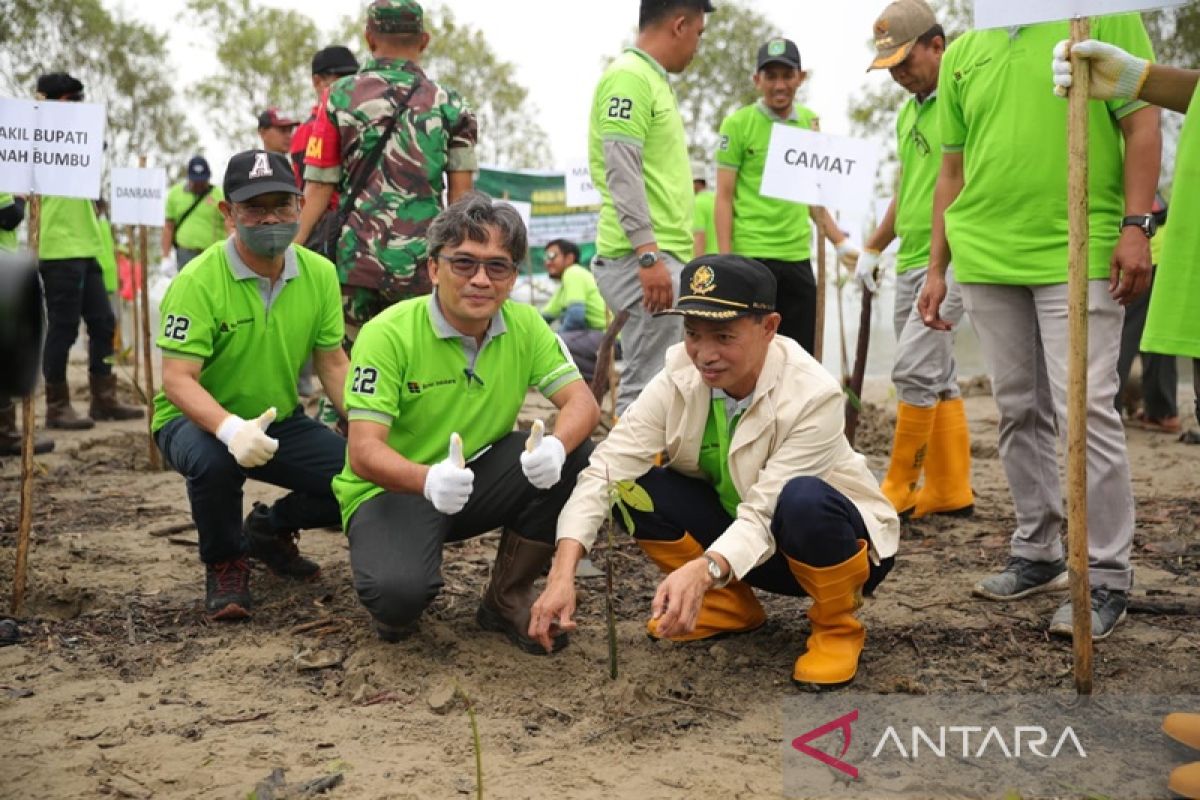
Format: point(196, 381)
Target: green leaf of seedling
point(855, 400)
point(635, 496)
point(625, 516)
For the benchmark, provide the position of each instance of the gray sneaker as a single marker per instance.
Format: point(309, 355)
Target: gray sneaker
point(1108, 609)
point(1021, 578)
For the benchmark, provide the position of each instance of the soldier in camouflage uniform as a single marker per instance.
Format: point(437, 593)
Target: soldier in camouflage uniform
point(432, 149)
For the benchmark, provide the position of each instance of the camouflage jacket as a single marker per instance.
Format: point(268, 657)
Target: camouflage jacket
point(383, 242)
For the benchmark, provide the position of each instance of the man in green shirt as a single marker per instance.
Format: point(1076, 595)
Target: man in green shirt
point(775, 232)
point(237, 323)
point(637, 153)
point(435, 386)
point(577, 305)
point(194, 219)
point(1008, 238)
point(931, 422)
point(704, 226)
point(12, 212)
point(70, 247)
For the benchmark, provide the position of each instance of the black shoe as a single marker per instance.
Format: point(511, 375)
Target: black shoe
point(227, 590)
point(1023, 577)
point(1108, 610)
point(394, 633)
point(276, 549)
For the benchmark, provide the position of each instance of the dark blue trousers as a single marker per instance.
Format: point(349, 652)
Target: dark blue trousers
point(309, 456)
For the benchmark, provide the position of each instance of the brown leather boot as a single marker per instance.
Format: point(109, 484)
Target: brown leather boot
point(105, 405)
point(59, 413)
point(10, 439)
point(505, 606)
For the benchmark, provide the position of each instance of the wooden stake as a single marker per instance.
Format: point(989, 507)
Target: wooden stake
point(143, 247)
point(1077, 314)
point(855, 384)
point(819, 333)
point(25, 523)
point(135, 330)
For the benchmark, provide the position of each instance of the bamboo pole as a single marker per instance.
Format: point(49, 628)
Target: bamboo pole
point(144, 251)
point(135, 328)
point(819, 322)
point(1077, 309)
point(25, 523)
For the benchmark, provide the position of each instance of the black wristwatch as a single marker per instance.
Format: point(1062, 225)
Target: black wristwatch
point(647, 260)
point(1146, 222)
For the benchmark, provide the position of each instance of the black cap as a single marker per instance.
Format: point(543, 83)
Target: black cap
point(334, 60)
point(724, 287)
point(273, 118)
point(59, 86)
point(198, 169)
point(256, 172)
point(781, 51)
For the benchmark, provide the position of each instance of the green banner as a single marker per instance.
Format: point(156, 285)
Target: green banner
point(549, 217)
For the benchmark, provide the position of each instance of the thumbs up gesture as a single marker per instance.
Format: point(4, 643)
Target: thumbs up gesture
point(247, 440)
point(448, 483)
point(543, 458)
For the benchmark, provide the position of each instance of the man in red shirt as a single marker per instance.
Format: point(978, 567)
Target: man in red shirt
point(328, 65)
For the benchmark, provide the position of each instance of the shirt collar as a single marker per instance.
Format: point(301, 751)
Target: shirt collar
point(379, 64)
point(793, 117)
point(444, 330)
point(241, 272)
point(733, 406)
point(649, 59)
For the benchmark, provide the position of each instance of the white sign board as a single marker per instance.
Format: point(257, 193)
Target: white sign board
point(1006, 13)
point(139, 196)
point(524, 209)
point(820, 169)
point(51, 148)
point(581, 192)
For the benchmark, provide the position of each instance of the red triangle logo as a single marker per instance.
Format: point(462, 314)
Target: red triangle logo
point(843, 724)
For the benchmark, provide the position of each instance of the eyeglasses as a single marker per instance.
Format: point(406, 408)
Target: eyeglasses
point(551, 255)
point(256, 214)
point(467, 267)
point(919, 140)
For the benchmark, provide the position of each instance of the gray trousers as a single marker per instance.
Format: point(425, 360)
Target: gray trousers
point(925, 370)
point(1023, 331)
point(396, 539)
point(645, 338)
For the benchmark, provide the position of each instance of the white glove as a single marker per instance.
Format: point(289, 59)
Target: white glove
point(847, 253)
point(1116, 75)
point(448, 483)
point(247, 439)
point(864, 273)
point(543, 458)
point(169, 266)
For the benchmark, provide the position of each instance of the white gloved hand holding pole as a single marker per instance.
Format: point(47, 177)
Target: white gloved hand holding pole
point(543, 458)
point(847, 253)
point(448, 483)
point(864, 273)
point(169, 266)
point(1116, 75)
point(247, 439)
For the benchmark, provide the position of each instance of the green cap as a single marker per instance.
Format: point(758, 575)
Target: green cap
point(395, 16)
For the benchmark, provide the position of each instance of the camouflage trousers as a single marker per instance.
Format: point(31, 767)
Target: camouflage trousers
point(360, 306)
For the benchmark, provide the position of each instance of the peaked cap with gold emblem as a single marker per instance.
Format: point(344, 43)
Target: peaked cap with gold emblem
point(724, 287)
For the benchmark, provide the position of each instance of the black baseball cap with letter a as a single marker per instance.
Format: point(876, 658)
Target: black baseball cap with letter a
point(256, 172)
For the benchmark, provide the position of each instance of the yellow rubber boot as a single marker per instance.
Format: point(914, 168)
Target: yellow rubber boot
point(914, 426)
point(947, 487)
point(731, 609)
point(1185, 781)
point(1183, 728)
point(837, 635)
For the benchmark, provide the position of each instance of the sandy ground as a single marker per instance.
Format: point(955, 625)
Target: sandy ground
point(120, 688)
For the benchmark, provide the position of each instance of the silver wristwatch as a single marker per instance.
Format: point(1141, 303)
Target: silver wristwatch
point(714, 570)
point(647, 260)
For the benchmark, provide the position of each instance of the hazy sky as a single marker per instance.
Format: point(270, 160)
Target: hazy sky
point(558, 46)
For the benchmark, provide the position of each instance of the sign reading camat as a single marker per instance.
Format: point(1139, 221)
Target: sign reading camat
point(51, 148)
point(581, 191)
point(139, 196)
point(821, 170)
point(1004, 13)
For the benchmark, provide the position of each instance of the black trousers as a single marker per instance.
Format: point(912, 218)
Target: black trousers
point(814, 524)
point(74, 291)
point(795, 299)
point(1160, 375)
point(396, 539)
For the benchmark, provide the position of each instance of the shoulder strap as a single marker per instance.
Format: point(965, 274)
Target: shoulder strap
point(368, 164)
point(188, 213)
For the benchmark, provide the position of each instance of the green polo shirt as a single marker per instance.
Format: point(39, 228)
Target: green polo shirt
point(1172, 324)
point(412, 371)
point(1009, 224)
point(8, 239)
point(250, 336)
point(763, 227)
point(578, 286)
point(919, 147)
point(204, 225)
point(705, 221)
point(108, 256)
point(69, 229)
point(634, 103)
point(723, 416)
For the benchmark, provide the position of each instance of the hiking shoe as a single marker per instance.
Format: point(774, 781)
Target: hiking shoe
point(394, 633)
point(276, 549)
point(227, 590)
point(1108, 609)
point(1023, 577)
